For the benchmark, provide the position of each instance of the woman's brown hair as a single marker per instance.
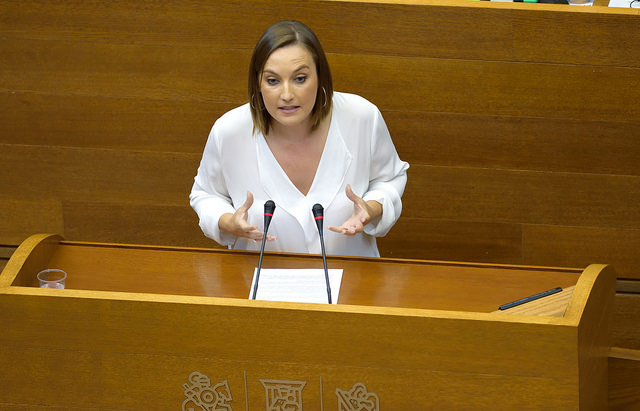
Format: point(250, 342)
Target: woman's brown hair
point(281, 34)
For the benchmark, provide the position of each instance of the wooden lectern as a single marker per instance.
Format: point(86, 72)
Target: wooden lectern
point(158, 328)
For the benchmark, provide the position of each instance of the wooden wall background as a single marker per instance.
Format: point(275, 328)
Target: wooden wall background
point(521, 122)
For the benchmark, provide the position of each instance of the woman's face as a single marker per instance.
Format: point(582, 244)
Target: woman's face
point(289, 85)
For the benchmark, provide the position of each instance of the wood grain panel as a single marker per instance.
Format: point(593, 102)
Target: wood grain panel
point(134, 223)
point(628, 286)
point(124, 71)
point(428, 239)
point(577, 246)
point(104, 332)
point(22, 218)
point(445, 85)
point(106, 122)
point(484, 32)
point(521, 143)
point(161, 22)
point(576, 38)
point(626, 332)
point(6, 251)
point(475, 34)
point(624, 379)
point(443, 32)
point(39, 173)
point(420, 137)
point(130, 373)
point(490, 195)
point(490, 87)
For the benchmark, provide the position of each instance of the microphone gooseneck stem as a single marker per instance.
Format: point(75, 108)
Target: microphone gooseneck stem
point(255, 286)
point(269, 208)
point(318, 215)
point(326, 271)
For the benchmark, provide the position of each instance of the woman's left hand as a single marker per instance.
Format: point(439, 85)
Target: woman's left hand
point(363, 213)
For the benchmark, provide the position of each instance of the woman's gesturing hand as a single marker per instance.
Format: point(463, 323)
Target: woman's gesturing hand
point(363, 213)
point(238, 225)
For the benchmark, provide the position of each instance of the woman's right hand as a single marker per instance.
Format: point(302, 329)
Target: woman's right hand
point(238, 225)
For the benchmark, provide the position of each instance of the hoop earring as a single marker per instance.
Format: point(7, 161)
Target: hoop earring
point(253, 96)
point(326, 100)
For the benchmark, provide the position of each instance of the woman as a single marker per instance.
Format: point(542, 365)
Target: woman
point(298, 143)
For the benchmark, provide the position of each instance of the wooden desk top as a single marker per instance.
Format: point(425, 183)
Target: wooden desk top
point(366, 281)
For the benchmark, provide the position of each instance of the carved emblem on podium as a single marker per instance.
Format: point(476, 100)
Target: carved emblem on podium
point(202, 396)
point(283, 395)
point(357, 399)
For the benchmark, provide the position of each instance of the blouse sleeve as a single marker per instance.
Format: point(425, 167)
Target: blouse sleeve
point(388, 177)
point(209, 195)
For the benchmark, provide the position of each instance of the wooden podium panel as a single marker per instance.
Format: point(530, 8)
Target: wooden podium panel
point(141, 327)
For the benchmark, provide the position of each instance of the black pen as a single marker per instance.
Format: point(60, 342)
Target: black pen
point(531, 298)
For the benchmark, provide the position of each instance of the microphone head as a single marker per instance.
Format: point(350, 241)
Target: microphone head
point(318, 215)
point(317, 211)
point(269, 208)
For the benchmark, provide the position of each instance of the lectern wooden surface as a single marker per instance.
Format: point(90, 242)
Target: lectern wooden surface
point(141, 327)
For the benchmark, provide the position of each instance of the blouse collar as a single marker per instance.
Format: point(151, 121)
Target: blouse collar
point(327, 183)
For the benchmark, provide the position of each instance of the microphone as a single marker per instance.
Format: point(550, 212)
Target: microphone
point(269, 208)
point(318, 215)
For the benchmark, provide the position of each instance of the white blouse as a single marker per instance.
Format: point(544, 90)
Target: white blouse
point(358, 151)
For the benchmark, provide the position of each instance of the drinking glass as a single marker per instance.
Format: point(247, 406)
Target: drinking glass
point(52, 278)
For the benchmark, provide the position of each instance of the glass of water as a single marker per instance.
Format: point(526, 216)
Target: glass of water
point(52, 278)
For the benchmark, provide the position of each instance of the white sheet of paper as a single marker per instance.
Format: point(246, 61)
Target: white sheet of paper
point(623, 3)
point(296, 285)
